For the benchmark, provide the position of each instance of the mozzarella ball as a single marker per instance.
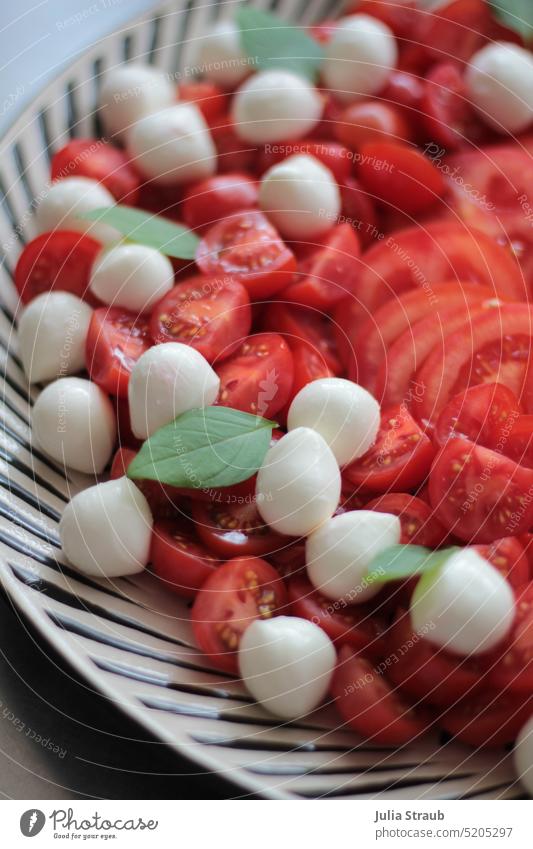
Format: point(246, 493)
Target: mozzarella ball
point(359, 57)
point(276, 106)
point(166, 381)
point(220, 57)
point(52, 332)
point(499, 81)
point(339, 553)
point(300, 196)
point(131, 276)
point(74, 422)
point(106, 530)
point(131, 91)
point(523, 756)
point(299, 484)
point(466, 606)
point(67, 199)
point(286, 664)
point(173, 146)
point(345, 414)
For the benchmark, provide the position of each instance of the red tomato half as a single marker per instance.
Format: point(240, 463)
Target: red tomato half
point(334, 156)
point(370, 121)
point(303, 326)
point(178, 558)
point(99, 161)
point(234, 154)
point(61, 260)
point(235, 530)
point(115, 341)
point(486, 414)
point(448, 115)
point(419, 525)
point(510, 666)
point(215, 198)
point(358, 210)
point(454, 30)
point(509, 558)
point(208, 97)
point(400, 176)
point(488, 719)
point(518, 441)
point(237, 593)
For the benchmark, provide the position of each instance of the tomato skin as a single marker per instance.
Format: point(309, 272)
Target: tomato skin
point(454, 30)
point(115, 341)
point(485, 414)
point(121, 460)
point(178, 559)
point(235, 530)
point(399, 460)
point(448, 116)
point(304, 326)
point(246, 246)
point(488, 719)
point(404, 178)
point(165, 502)
point(370, 121)
point(61, 260)
point(509, 558)
point(358, 210)
point(215, 198)
point(405, 91)
point(475, 511)
point(237, 593)
point(509, 668)
point(208, 97)
point(400, 17)
point(101, 161)
point(419, 525)
point(333, 155)
point(518, 444)
point(234, 154)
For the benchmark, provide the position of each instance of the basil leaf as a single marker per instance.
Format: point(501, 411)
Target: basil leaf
point(146, 228)
point(404, 561)
point(515, 14)
point(203, 448)
point(273, 43)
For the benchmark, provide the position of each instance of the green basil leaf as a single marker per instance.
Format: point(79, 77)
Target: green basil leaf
point(149, 229)
point(204, 448)
point(403, 561)
point(273, 43)
point(515, 14)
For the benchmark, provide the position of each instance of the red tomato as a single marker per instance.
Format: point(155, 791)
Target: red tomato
point(61, 260)
point(248, 247)
point(215, 198)
point(518, 443)
point(211, 314)
point(163, 200)
point(234, 154)
point(99, 161)
point(475, 508)
point(237, 593)
point(367, 702)
point(125, 434)
point(334, 156)
point(178, 559)
point(455, 30)
point(510, 666)
point(399, 459)
point(400, 176)
point(486, 414)
point(350, 625)
point(235, 530)
point(115, 341)
point(326, 276)
point(308, 365)
point(258, 377)
point(488, 719)
point(370, 121)
point(401, 16)
point(121, 460)
point(166, 502)
point(208, 97)
point(307, 327)
point(448, 115)
point(406, 91)
point(419, 525)
point(358, 210)
point(509, 558)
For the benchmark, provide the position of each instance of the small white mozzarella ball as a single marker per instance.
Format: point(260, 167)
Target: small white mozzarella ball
point(300, 196)
point(338, 554)
point(286, 664)
point(173, 146)
point(344, 413)
point(52, 333)
point(523, 756)
point(275, 106)
point(166, 381)
point(220, 57)
point(74, 422)
point(466, 606)
point(67, 199)
point(106, 530)
point(299, 484)
point(131, 276)
point(359, 57)
point(131, 91)
point(499, 81)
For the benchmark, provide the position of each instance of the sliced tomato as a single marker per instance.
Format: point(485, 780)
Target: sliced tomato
point(101, 161)
point(234, 154)
point(61, 260)
point(126, 438)
point(479, 495)
point(448, 115)
point(304, 326)
point(213, 199)
point(370, 121)
point(400, 17)
point(163, 200)
point(115, 341)
point(358, 209)
point(509, 668)
point(509, 558)
point(208, 97)
point(488, 719)
point(456, 29)
point(368, 703)
point(307, 366)
point(333, 155)
point(246, 246)
point(235, 529)
point(258, 377)
point(518, 441)
point(212, 314)
point(405, 90)
point(237, 593)
point(486, 414)
point(289, 560)
point(419, 524)
point(400, 458)
point(179, 559)
point(400, 176)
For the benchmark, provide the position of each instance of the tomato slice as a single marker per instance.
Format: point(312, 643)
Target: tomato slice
point(247, 246)
point(456, 29)
point(370, 121)
point(208, 97)
point(215, 198)
point(61, 260)
point(234, 154)
point(235, 529)
point(115, 341)
point(486, 414)
point(289, 560)
point(258, 377)
point(178, 558)
point(518, 444)
point(400, 458)
point(333, 155)
point(419, 524)
point(304, 326)
point(100, 161)
point(510, 666)
point(479, 495)
point(488, 719)
point(448, 115)
point(358, 209)
point(509, 558)
point(368, 703)
point(237, 593)
point(211, 314)
point(400, 176)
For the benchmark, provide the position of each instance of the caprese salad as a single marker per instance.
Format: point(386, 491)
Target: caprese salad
point(283, 312)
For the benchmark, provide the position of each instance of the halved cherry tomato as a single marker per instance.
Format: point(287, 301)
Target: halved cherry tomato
point(212, 314)
point(208, 97)
point(121, 460)
point(478, 495)
point(234, 154)
point(61, 260)
point(126, 439)
point(510, 666)
point(237, 593)
point(358, 210)
point(419, 525)
point(486, 414)
point(404, 90)
point(115, 341)
point(509, 558)
point(400, 458)
point(235, 529)
point(290, 559)
point(308, 365)
point(304, 326)
point(163, 200)
point(215, 198)
point(400, 176)
point(333, 155)
point(368, 703)
point(257, 378)
point(488, 719)
point(99, 161)
point(401, 16)
point(518, 441)
point(247, 246)
point(370, 121)
point(454, 30)
point(179, 559)
point(448, 115)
